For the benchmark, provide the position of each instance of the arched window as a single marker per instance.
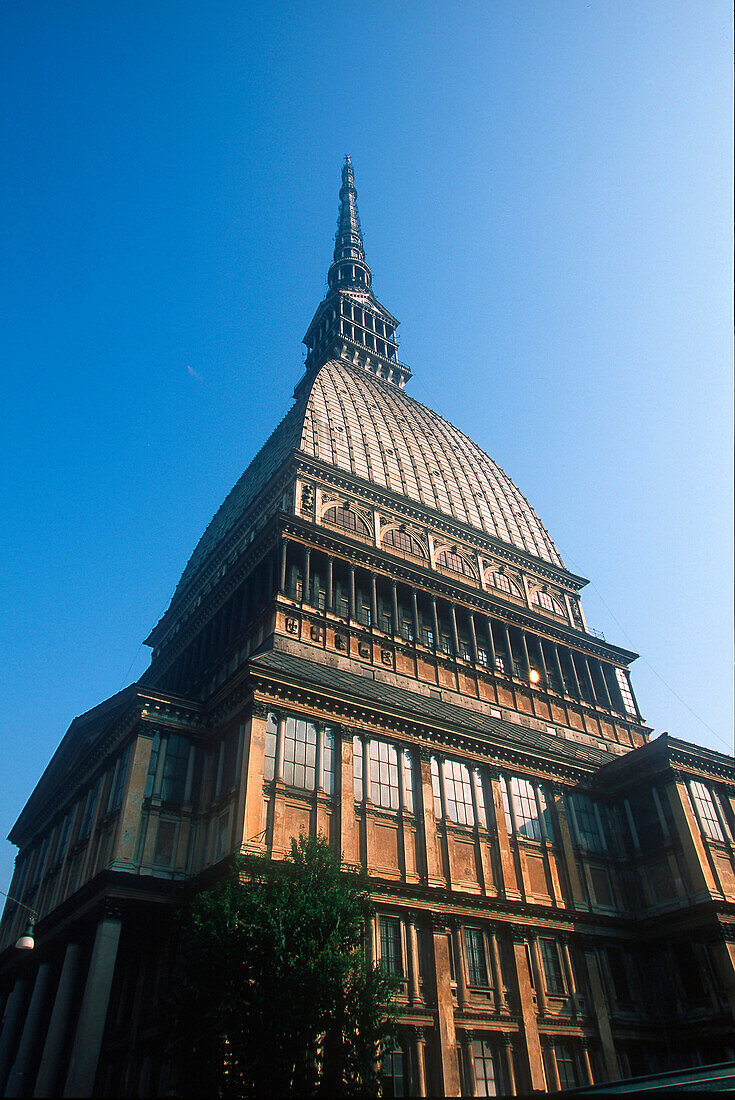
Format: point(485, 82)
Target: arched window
point(448, 559)
point(505, 584)
point(546, 601)
point(345, 517)
point(403, 541)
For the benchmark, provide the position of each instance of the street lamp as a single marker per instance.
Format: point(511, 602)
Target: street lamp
point(26, 942)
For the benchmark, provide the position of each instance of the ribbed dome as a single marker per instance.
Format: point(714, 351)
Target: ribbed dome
point(350, 419)
point(380, 434)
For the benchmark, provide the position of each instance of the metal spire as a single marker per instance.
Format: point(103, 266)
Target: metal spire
point(349, 267)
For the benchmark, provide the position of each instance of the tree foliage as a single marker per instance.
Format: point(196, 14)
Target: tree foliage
point(272, 993)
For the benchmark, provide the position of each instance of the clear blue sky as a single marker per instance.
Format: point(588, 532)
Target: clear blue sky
point(545, 193)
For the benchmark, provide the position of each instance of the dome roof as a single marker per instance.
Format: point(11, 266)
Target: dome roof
point(348, 418)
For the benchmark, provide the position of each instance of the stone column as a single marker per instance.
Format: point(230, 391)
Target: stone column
point(374, 600)
point(394, 604)
point(448, 1065)
point(498, 994)
point(11, 1026)
point(57, 1033)
point(349, 840)
point(284, 548)
point(510, 1073)
point(459, 960)
point(473, 636)
point(557, 664)
point(575, 677)
point(430, 836)
point(251, 781)
point(329, 601)
point(307, 576)
point(93, 1012)
point(351, 591)
point(465, 1040)
point(536, 1076)
point(453, 624)
point(570, 861)
point(588, 677)
point(490, 644)
point(603, 1018)
point(526, 657)
point(413, 952)
point(554, 1082)
point(587, 1064)
point(415, 613)
point(21, 1077)
point(419, 1046)
point(566, 960)
point(507, 866)
point(123, 851)
point(435, 622)
point(690, 838)
point(538, 975)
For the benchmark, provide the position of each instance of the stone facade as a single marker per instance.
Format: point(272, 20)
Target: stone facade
point(376, 639)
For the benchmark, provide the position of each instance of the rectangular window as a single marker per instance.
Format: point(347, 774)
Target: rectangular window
point(393, 1073)
point(383, 775)
point(152, 765)
point(174, 769)
point(427, 636)
point(483, 1057)
point(587, 824)
point(705, 806)
point(526, 810)
point(391, 960)
point(552, 967)
point(357, 768)
point(626, 693)
point(407, 781)
point(474, 944)
point(479, 797)
point(436, 789)
point(89, 811)
point(117, 790)
point(458, 793)
point(565, 1065)
point(328, 762)
point(299, 754)
point(271, 744)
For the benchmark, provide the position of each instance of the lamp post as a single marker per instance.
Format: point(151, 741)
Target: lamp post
point(26, 942)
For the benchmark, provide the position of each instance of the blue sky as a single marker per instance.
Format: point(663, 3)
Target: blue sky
point(545, 194)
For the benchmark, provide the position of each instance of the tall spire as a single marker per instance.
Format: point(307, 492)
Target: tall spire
point(351, 324)
point(349, 267)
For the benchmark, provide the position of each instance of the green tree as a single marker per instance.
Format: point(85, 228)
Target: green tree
point(272, 994)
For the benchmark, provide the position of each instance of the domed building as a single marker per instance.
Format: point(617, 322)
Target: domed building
point(377, 639)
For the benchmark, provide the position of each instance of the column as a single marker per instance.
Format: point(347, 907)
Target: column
point(544, 669)
point(508, 650)
point(415, 613)
point(12, 1026)
point(413, 954)
point(554, 1082)
point(57, 1033)
point(566, 960)
point(587, 1064)
point(465, 1039)
point(373, 600)
point(510, 1075)
point(507, 865)
point(394, 604)
point(430, 838)
point(419, 1046)
point(498, 985)
point(528, 1012)
point(690, 838)
point(329, 601)
point(349, 840)
point(603, 1019)
point(351, 591)
point(93, 1012)
point(250, 809)
point(490, 644)
point(460, 970)
point(588, 677)
point(448, 1065)
point(453, 623)
point(570, 861)
point(606, 693)
point(435, 622)
point(284, 549)
point(21, 1078)
point(526, 658)
point(305, 596)
point(575, 678)
point(319, 769)
point(129, 822)
point(280, 747)
point(473, 636)
point(538, 975)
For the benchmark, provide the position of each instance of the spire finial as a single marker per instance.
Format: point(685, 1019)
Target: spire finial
point(349, 267)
